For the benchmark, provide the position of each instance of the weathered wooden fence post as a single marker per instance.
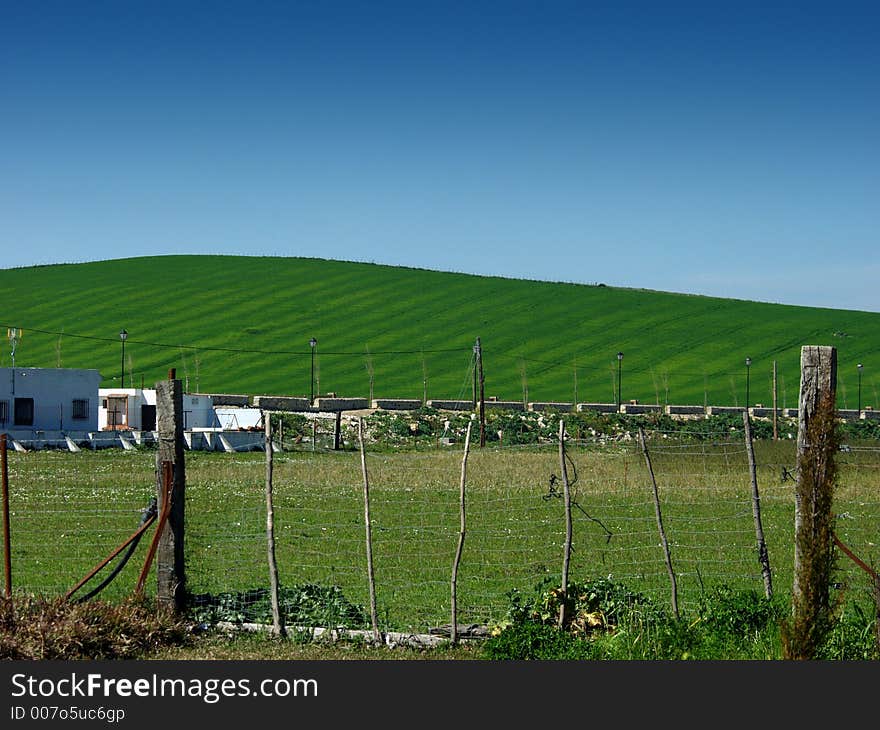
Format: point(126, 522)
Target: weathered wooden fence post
point(277, 620)
point(763, 556)
point(170, 574)
point(566, 553)
point(663, 540)
point(461, 534)
point(371, 578)
point(813, 520)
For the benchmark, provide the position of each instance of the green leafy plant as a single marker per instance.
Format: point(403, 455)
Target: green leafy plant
point(307, 605)
point(536, 641)
point(737, 613)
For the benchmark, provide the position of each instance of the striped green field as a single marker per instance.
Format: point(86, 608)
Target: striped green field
point(242, 325)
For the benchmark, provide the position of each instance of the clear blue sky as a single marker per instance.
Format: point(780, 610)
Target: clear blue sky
point(730, 149)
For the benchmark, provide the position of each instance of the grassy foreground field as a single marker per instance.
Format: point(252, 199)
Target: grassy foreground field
point(69, 511)
point(242, 325)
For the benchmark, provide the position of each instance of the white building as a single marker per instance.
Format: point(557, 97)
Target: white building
point(48, 403)
point(134, 409)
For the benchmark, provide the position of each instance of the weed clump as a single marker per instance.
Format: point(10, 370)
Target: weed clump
point(33, 627)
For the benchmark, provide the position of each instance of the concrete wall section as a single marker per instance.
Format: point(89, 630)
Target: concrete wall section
point(281, 403)
point(226, 399)
point(722, 410)
point(685, 410)
point(504, 405)
point(451, 405)
point(551, 406)
point(597, 407)
point(397, 404)
point(333, 405)
point(640, 408)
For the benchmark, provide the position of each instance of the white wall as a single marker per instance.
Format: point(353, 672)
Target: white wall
point(198, 411)
point(137, 397)
point(53, 391)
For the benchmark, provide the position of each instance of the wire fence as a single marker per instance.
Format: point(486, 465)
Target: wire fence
point(70, 510)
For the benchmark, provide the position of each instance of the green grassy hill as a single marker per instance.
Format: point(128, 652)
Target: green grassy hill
point(242, 325)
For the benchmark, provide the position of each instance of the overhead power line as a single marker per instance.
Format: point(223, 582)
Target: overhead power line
point(248, 350)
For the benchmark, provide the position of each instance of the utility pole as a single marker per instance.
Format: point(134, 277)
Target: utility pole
point(478, 351)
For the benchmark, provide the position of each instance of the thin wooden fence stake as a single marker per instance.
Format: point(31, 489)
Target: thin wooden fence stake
point(663, 539)
point(461, 533)
point(7, 546)
point(277, 620)
point(775, 410)
point(763, 556)
point(377, 637)
point(566, 555)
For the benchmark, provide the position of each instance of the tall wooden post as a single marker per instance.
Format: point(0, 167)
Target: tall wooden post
point(816, 411)
point(170, 574)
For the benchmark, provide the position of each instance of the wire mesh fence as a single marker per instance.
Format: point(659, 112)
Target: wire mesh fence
point(68, 512)
point(71, 510)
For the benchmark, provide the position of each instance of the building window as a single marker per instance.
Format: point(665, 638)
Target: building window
point(80, 409)
point(4, 412)
point(24, 411)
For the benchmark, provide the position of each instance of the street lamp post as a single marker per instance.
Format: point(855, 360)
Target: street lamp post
point(313, 343)
point(619, 363)
point(748, 368)
point(123, 336)
point(859, 366)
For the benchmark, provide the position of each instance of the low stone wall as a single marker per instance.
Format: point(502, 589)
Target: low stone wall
point(334, 405)
point(598, 407)
point(281, 403)
point(505, 405)
point(760, 412)
point(551, 406)
point(722, 410)
point(397, 404)
point(225, 399)
point(685, 410)
point(451, 405)
point(640, 408)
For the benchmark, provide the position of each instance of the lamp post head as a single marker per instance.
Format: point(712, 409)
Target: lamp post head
point(620, 356)
point(748, 361)
point(860, 366)
point(312, 343)
point(123, 335)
